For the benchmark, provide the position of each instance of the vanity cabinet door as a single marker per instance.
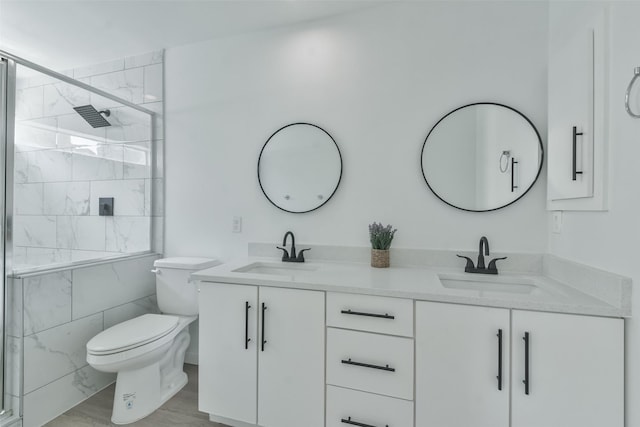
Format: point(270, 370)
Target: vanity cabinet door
point(228, 351)
point(577, 102)
point(574, 368)
point(291, 362)
point(462, 379)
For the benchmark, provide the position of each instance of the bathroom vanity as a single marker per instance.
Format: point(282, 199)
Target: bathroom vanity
point(337, 344)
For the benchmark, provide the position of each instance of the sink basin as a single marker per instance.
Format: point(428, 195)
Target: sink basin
point(275, 268)
point(489, 284)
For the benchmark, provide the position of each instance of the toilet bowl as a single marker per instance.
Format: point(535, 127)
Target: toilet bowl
point(147, 352)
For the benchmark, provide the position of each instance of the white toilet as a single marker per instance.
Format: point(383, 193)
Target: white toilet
point(148, 352)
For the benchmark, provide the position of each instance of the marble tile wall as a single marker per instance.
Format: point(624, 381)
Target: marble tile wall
point(53, 316)
point(63, 166)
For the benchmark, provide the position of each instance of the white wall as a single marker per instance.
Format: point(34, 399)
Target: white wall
point(377, 81)
point(610, 240)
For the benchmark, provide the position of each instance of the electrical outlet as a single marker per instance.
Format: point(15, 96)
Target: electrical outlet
point(556, 219)
point(237, 224)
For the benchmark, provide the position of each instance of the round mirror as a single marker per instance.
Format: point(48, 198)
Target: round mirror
point(482, 157)
point(299, 168)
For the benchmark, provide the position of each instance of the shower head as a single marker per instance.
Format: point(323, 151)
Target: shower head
point(92, 116)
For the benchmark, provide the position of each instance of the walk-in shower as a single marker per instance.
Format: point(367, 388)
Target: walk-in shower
point(64, 146)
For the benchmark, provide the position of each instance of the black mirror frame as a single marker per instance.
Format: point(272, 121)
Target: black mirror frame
point(339, 178)
point(470, 105)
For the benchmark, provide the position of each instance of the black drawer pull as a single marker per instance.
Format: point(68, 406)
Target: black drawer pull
point(359, 313)
point(527, 343)
point(246, 325)
point(574, 167)
point(355, 423)
point(366, 365)
point(499, 377)
point(264, 341)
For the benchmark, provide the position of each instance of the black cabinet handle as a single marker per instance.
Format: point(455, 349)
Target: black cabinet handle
point(526, 362)
point(264, 308)
point(499, 377)
point(359, 313)
point(574, 167)
point(513, 171)
point(367, 365)
point(355, 423)
point(246, 325)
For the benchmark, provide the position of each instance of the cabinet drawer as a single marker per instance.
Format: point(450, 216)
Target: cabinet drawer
point(370, 362)
point(384, 315)
point(366, 408)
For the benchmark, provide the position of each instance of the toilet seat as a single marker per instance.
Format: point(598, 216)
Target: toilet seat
point(132, 334)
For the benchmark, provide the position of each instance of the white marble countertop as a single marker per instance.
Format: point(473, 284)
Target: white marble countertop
point(419, 283)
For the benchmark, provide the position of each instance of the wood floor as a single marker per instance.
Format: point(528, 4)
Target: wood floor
point(181, 410)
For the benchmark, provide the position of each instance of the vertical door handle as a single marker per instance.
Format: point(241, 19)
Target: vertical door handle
point(246, 325)
point(526, 362)
point(264, 308)
point(513, 173)
point(574, 168)
point(499, 377)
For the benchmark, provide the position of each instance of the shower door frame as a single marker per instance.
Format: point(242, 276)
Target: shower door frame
point(7, 124)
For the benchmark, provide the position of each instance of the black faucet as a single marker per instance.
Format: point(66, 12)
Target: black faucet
point(286, 257)
point(483, 242)
point(480, 268)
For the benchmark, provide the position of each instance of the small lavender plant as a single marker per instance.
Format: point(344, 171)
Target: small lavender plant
point(380, 236)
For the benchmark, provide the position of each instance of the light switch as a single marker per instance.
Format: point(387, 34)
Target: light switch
point(237, 224)
point(556, 219)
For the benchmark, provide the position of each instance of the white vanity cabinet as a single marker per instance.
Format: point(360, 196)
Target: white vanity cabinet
point(462, 365)
point(370, 361)
point(573, 365)
point(575, 372)
point(262, 355)
point(577, 100)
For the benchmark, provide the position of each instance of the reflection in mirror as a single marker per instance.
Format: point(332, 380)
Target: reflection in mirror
point(482, 157)
point(299, 168)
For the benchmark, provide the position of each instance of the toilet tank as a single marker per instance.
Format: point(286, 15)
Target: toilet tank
point(175, 292)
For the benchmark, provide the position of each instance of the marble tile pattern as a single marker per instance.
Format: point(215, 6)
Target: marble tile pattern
point(63, 166)
point(47, 301)
point(62, 311)
point(63, 394)
point(56, 352)
point(106, 286)
point(128, 234)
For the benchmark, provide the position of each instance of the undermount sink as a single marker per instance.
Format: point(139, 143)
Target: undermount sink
point(275, 268)
point(489, 284)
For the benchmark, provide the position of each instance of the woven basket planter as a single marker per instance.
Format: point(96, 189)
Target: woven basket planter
point(380, 258)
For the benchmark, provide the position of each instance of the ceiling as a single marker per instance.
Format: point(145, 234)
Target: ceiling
point(65, 34)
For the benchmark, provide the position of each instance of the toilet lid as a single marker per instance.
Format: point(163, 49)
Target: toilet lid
point(132, 333)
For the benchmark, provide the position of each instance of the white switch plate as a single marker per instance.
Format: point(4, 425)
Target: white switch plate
point(237, 224)
point(556, 220)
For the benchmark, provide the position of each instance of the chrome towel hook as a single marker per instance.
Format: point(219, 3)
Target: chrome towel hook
point(636, 74)
point(504, 161)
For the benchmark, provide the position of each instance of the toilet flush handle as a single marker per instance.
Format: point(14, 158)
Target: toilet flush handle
point(156, 271)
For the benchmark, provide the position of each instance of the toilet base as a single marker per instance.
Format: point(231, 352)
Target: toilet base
point(140, 392)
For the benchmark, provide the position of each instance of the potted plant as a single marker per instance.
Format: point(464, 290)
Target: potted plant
point(380, 238)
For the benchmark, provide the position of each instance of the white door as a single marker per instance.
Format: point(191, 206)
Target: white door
point(574, 368)
point(291, 358)
point(228, 351)
point(575, 92)
point(462, 379)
